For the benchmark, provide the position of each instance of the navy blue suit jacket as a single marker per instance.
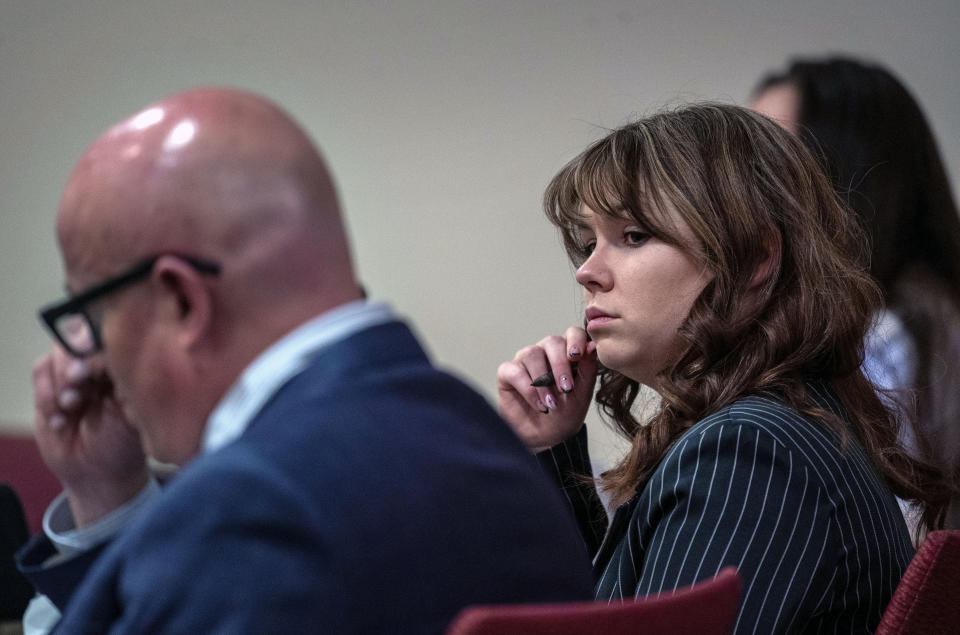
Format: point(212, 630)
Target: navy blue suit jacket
point(372, 494)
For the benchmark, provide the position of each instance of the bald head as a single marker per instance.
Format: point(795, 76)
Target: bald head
point(206, 171)
point(220, 175)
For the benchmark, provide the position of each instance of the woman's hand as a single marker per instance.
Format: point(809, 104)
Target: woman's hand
point(551, 411)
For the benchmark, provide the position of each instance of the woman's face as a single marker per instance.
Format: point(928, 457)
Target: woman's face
point(638, 291)
point(780, 102)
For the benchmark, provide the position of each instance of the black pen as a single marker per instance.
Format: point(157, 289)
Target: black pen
point(547, 379)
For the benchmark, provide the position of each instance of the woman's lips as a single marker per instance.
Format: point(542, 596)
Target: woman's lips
point(597, 318)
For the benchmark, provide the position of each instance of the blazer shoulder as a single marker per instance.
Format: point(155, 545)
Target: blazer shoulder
point(764, 421)
point(755, 411)
point(770, 417)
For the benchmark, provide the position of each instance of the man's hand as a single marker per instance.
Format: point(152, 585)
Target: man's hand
point(84, 438)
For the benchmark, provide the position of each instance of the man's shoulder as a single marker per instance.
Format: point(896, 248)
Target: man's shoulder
point(383, 364)
point(370, 406)
point(377, 379)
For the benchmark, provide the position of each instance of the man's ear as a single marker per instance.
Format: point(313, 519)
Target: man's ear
point(187, 300)
point(770, 262)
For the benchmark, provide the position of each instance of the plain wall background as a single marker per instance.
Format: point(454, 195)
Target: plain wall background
point(442, 121)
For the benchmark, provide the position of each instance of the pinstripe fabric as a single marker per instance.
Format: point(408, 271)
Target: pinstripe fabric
point(817, 537)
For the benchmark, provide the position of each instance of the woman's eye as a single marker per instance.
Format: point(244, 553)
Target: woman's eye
point(587, 248)
point(635, 237)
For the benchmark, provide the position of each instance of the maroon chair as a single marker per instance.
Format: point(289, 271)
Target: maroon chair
point(22, 469)
point(927, 600)
point(706, 608)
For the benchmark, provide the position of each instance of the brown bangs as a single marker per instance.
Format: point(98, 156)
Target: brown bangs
point(612, 177)
point(590, 179)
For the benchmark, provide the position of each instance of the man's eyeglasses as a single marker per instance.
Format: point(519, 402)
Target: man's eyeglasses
point(69, 320)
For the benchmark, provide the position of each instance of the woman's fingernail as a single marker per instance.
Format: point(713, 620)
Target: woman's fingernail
point(543, 409)
point(565, 384)
point(68, 399)
point(574, 351)
point(57, 422)
point(551, 402)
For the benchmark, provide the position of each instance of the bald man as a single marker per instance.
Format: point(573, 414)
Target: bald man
point(333, 480)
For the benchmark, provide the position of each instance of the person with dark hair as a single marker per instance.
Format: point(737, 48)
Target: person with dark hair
point(721, 269)
point(880, 153)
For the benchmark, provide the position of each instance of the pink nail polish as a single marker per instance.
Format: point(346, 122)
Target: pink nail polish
point(551, 402)
point(565, 384)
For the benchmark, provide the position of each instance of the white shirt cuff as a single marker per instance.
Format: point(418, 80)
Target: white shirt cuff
point(60, 528)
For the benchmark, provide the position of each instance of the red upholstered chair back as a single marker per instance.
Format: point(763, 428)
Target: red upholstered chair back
point(927, 600)
point(22, 469)
point(706, 608)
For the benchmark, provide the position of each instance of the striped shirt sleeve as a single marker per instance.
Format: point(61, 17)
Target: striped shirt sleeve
point(568, 465)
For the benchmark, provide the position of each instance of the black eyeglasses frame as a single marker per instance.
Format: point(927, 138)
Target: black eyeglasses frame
point(50, 313)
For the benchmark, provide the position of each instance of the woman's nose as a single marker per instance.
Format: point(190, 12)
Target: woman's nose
point(594, 274)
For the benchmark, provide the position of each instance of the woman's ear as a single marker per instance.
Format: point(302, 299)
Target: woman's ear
point(770, 262)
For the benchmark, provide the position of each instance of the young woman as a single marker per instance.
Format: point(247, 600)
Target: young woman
point(720, 269)
point(880, 152)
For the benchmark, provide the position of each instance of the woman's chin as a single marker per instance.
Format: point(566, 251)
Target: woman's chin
point(627, 365)
point(615, 363)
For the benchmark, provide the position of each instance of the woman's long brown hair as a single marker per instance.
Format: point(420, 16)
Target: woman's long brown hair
point(753, 196)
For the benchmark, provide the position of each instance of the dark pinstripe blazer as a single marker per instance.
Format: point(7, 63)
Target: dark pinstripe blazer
point(816, 535)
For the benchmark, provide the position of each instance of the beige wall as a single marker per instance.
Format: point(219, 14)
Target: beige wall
point(443, 121)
